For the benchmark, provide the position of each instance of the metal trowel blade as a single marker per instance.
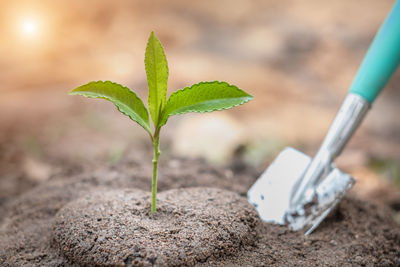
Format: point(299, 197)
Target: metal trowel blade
point(272, 192)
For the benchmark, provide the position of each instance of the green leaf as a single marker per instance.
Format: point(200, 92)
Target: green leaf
point(126, 101)
point(204, 97)
point(157, 76)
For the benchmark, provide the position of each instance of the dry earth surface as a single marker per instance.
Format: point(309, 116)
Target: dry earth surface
point(102, 218)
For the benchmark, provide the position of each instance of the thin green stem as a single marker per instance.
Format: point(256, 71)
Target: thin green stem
point(156, 155)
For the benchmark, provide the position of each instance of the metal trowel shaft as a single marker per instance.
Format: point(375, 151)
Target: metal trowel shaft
point(347, 120)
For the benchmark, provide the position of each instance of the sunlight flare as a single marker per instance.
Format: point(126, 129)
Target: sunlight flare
point(29, 27)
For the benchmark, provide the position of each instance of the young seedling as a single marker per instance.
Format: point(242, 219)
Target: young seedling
point(201, 97)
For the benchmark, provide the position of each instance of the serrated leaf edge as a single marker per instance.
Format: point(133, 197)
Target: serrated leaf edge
point(166, 116)
point(163, 101)
point(145, 123)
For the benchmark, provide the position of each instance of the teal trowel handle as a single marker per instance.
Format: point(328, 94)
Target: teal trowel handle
point(381, 60)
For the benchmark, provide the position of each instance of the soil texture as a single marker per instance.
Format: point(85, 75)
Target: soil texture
point(102, 219)
point(190, 226)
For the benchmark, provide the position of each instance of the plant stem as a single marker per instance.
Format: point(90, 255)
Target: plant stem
point(156, 154)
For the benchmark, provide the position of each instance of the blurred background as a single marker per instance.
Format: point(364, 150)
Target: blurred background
point(297, 58)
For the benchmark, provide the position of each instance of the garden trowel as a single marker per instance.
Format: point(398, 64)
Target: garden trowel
point(301, 191)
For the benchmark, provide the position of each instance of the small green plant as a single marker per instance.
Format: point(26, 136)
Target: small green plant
point(201, 97)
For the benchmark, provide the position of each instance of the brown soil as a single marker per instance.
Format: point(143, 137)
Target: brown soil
point(102, 219)
point(190, 226)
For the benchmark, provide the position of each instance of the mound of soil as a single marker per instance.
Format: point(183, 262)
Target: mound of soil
point(191, 225)
point(57, 224)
